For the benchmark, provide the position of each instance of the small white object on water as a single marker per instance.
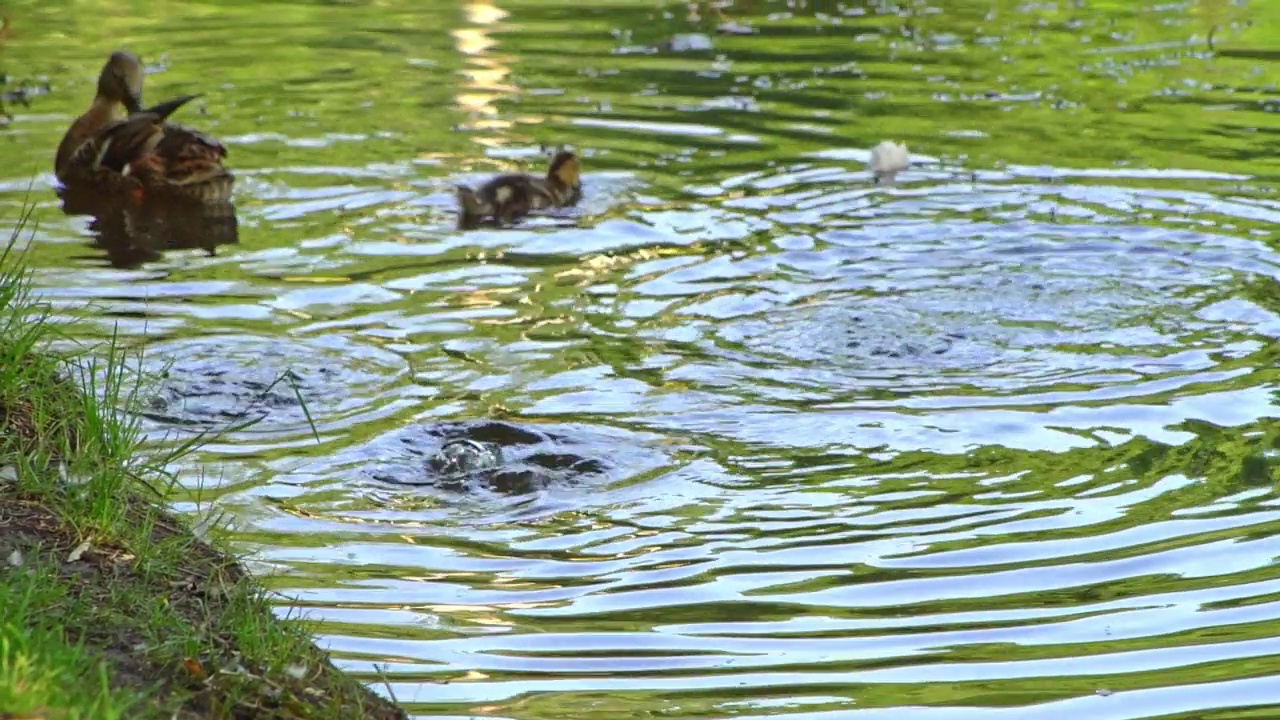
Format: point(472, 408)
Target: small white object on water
point(887, 160)
point(688, 42)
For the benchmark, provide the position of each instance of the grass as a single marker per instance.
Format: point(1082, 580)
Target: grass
point(110, 606)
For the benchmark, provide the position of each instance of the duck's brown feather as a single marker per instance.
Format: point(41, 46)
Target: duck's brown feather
point(192, 162)
point(144, 150)
point(99, 115)
point(509, 197)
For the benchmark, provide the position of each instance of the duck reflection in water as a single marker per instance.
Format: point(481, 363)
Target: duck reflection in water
point(133, 233)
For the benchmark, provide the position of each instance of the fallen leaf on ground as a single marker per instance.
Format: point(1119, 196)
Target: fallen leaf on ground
point(80, 550)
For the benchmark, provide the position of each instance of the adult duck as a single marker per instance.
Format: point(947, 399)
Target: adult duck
point(116, 146)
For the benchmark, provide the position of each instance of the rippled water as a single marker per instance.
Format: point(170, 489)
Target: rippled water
point(992, 442)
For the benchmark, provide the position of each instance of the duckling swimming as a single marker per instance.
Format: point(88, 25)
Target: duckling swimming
point(509, 197)
point(887, 160)
point(117, 145)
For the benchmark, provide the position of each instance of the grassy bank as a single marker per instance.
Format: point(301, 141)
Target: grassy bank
point(109, 606)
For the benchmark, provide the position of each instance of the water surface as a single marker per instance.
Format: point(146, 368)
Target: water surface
point(992, 442)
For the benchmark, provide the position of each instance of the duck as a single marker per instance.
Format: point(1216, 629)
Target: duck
point(118, 146)
point(887, 160)
point(509, 197)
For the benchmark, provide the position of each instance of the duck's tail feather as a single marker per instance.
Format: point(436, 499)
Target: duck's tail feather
point(168, 107)
point(469, 205)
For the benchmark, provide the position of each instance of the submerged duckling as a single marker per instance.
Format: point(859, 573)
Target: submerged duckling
point(509, 197)
point(118, 145)
point(887, 160)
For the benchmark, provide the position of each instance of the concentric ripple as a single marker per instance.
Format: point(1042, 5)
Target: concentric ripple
point(218, 381)
point(572, 461)
point(984, 310)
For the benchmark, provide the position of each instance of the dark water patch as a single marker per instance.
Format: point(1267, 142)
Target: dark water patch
point(496, 457)
point(501, 459)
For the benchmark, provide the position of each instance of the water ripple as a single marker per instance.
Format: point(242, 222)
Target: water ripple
point(995, 440)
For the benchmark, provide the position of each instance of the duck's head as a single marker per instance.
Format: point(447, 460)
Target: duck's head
point(566, 168)
point(121, 80)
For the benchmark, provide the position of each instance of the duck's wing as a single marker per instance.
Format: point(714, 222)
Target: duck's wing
point(124, 141)
point(119, 143)
point(545, 194)
point(80, 131)
point(189, 155)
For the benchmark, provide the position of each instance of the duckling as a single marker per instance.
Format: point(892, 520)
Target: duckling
point(509, 197)
point(117, 145)
point(887, 160)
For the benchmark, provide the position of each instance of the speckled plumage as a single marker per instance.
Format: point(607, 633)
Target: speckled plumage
point(509, 197)
point(140, 152)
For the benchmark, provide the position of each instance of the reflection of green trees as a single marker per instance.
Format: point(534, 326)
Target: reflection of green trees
point(327, 74)
point(1216, 461)
point(341, 67)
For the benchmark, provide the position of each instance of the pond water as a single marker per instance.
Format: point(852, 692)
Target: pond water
point(994, 441)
